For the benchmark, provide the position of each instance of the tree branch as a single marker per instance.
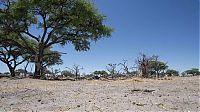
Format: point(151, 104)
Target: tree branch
point(32, 36)
point(21, 62)
point(44, 26)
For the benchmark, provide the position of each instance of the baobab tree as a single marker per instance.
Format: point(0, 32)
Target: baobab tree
point(143, 65)
point(150, 65)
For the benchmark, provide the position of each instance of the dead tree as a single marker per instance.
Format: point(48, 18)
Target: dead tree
point(125, 67)
point(112, 69)
point(75, 70)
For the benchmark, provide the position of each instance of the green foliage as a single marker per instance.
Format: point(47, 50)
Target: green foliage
point(51, 58)
point(171, 72)
point(67, 73)
point(60, 22)
point(75, 21)
point(193, 71)
point(102, 72)
point(13, 51)
point(150, 66)
point(157, 66)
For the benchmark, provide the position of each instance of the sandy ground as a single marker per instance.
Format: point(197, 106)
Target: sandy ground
point(178, 94)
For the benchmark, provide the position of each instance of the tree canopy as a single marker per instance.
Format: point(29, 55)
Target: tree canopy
point(171, 72)
point(102, 72)
point(62, 22)
point(150, 66)
point(13, 51)
point(193, 71)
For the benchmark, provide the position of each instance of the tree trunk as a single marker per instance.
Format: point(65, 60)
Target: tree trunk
point(37, 73)
point(12, 71)
point(39, 63)
point(25, 68)
point(157, 74)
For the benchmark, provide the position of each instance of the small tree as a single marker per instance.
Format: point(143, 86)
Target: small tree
point(112, 69)
point(157, 67)
point(102, 73)
point(171, 72)
point(67, 73)
point(193, 71)
point(125, 67)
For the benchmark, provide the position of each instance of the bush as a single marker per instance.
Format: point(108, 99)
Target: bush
point(171, 72)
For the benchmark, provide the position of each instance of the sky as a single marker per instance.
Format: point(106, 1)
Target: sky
point(167, 28)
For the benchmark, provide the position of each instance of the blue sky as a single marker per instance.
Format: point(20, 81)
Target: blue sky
point(168, 28)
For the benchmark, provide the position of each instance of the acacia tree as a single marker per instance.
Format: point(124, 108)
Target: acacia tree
point(101, 72)
point(157, 67)
point(58, 22)
point(193, 71)
point(12, 53)
point(171, 72)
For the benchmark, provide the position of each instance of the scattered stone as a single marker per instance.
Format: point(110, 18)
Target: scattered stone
point(139, 104)
point(140, 90)
point(78, 106)
point(134, 90)
point(149, 91)
point(39, 100)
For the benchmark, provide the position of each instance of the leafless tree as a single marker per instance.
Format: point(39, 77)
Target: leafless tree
point(126, 68)
point(112, 69)
point(75, 70)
